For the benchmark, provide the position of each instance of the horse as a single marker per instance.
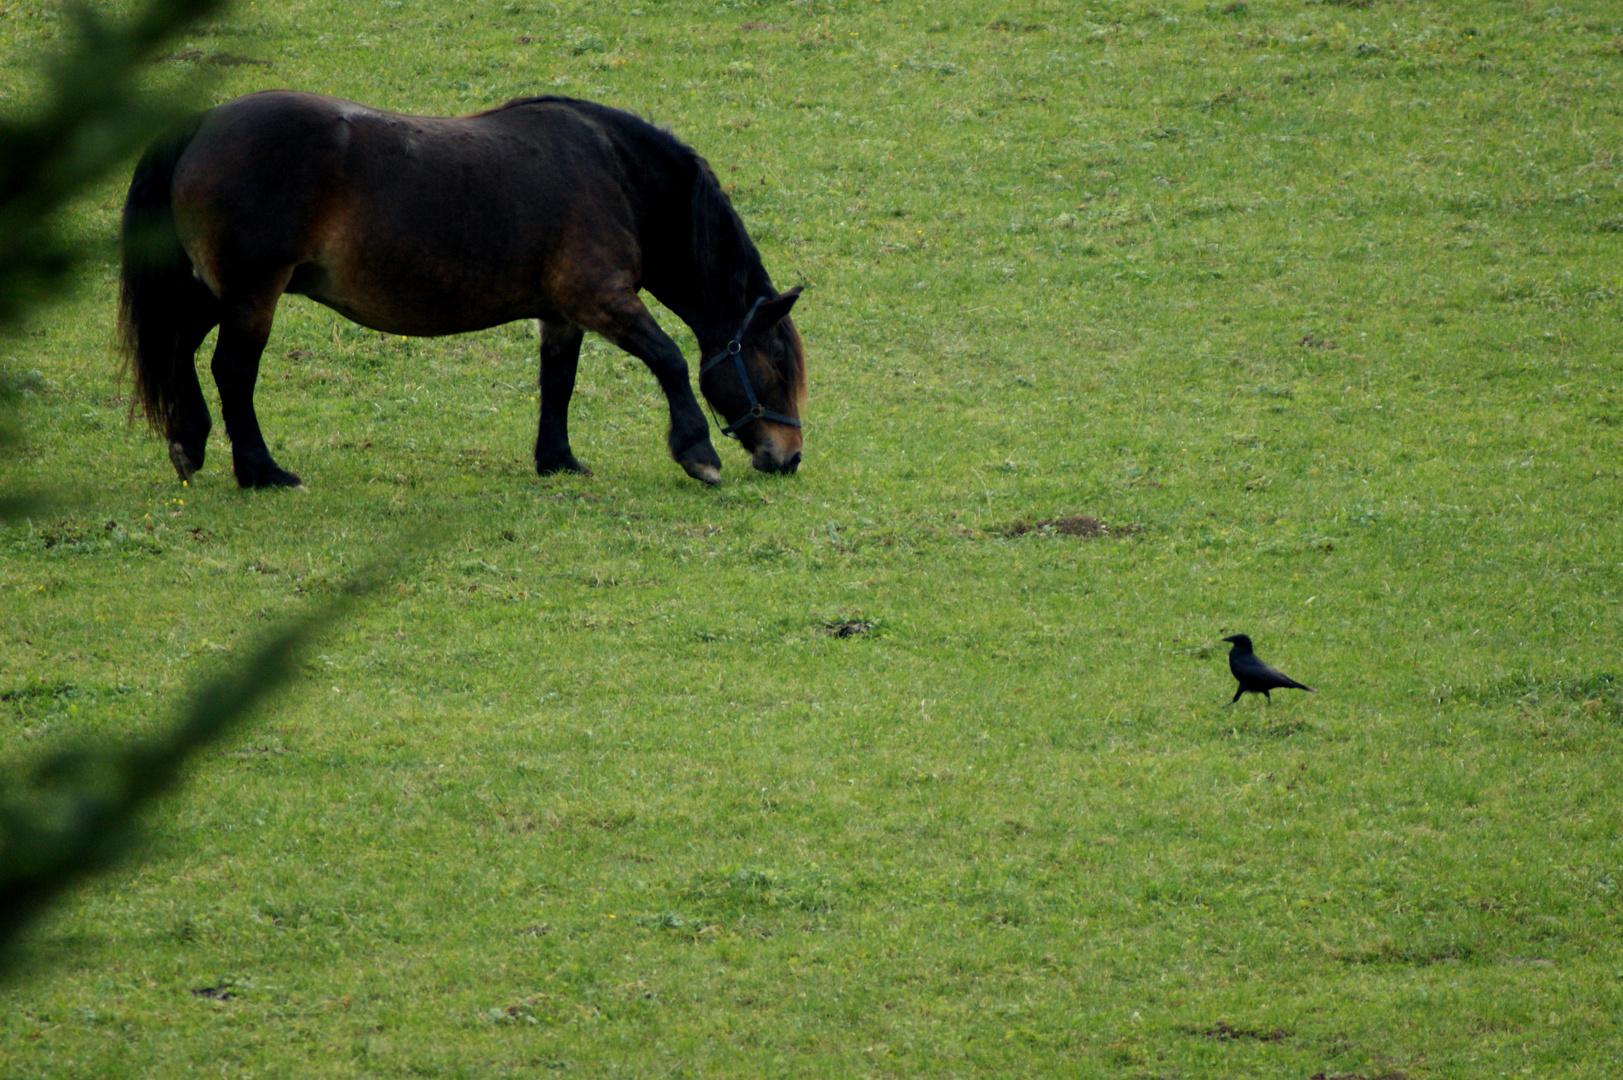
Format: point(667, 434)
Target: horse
point(547, 208)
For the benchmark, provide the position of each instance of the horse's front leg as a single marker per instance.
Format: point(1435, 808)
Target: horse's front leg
point(560, 356)
point(244, 329)
point(628, 324)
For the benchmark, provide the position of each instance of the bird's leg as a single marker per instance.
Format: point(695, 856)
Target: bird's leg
point(1236, 696)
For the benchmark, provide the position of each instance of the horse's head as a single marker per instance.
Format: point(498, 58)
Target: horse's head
point(758, 383)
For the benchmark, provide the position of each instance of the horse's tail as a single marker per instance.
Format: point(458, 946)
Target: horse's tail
point(156, 275)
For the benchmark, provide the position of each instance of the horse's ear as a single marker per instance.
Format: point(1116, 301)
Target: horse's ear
point(776, 309)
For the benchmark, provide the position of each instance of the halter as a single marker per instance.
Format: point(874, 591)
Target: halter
point(735, 349)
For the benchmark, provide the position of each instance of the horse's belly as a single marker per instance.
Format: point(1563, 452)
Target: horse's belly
point(398, 293)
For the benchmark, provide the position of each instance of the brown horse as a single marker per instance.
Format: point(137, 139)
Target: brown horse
point(546, 208)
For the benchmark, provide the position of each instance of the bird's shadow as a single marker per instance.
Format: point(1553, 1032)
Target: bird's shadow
point(1260, 725)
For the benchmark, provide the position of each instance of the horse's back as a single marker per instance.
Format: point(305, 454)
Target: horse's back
point(412, 224)
point(289, 142)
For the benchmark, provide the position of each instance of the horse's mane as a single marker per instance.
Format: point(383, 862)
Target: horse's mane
point(728, 263)
point(728, 266)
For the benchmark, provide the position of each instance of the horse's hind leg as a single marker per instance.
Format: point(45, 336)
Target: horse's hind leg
point(189, 423)
point(627, 323)
point(560, 355)
point(244, 329)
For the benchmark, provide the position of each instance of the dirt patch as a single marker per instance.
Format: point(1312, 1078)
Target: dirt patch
point(847, 628)
point(753, 27)
point(72, 533)
point(1226, 1032)
point(223, 992)
point(1083, 525)
point(198, 56)
point(1415, 955)
point(1394, 1075)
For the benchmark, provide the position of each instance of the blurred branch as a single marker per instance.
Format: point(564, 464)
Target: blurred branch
point(95, 116)
point(77, 814)
point(14, 504)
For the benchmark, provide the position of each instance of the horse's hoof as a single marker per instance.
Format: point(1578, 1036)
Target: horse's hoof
point(272, 477)
point(564, 465)
point(701, 462)
point(185, 465)
point(708, 474)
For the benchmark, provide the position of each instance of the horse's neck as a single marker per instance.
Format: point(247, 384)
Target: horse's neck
point(710, 289)
point(714, 316)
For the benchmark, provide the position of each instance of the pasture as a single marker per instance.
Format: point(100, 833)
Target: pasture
point(866, 771)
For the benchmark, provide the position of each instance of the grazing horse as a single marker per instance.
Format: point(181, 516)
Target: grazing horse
point(546, 208)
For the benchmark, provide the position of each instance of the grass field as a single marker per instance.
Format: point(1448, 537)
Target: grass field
point(1315, 305)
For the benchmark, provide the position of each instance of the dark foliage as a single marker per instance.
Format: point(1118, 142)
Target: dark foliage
point(75, 813)
point(94, 118)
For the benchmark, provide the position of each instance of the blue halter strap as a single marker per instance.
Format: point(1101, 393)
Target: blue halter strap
point(735, 349)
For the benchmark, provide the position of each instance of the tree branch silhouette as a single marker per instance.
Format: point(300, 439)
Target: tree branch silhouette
point(76, 812)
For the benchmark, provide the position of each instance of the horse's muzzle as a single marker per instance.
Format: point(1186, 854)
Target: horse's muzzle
point(778, 450)
point(768, 462)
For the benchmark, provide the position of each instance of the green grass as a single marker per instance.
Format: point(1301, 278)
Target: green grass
point(1323, 298)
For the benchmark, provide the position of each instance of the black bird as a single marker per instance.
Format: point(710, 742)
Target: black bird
point(1255, 676)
